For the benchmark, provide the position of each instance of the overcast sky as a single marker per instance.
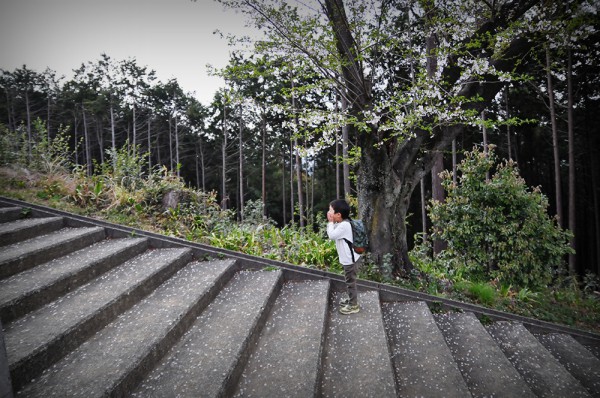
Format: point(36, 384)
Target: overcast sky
point(173, 37)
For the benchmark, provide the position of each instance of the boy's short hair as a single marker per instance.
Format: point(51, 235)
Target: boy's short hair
point(342, 207)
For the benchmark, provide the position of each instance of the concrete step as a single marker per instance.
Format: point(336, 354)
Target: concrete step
point(44, 336)
point(544, 374)
point(593, 348)
point(209, 359)
point(580, 362)
point(112, 361)
point(423, 363)
point(30, 289)
point(484, 366)
point(27, 254)
point(357, 360)
point(287, 358)
point(17, 231)
point(8, 214)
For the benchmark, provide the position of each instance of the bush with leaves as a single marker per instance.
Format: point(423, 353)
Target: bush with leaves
point(496, 227)
point(10, 146)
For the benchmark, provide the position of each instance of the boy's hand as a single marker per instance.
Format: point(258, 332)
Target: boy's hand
point(329, 216)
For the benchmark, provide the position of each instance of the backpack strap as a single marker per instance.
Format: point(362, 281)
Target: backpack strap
point(351, 249)
point(350, 245)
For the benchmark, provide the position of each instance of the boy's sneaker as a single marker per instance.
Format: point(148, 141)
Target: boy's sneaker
point(349, 309)
point(344, 301)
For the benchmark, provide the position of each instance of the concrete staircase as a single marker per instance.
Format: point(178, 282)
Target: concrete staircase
point(93, 309)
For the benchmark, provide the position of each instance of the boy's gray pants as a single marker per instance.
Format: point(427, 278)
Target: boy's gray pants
point(350, 272)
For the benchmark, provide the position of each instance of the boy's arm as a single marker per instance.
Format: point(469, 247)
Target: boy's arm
point(334, 231)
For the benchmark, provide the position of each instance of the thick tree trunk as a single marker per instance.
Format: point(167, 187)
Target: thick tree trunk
point(384, 199)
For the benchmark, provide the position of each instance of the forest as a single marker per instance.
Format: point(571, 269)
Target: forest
point(368, 100)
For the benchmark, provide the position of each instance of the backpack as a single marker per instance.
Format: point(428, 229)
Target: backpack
point(360, 237)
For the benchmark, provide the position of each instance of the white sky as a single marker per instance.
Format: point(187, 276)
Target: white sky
point(173, 37)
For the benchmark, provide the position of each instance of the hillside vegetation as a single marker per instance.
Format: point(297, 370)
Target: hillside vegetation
point(503, 251)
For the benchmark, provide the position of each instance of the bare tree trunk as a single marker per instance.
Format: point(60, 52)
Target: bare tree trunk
point(338, 184)
point(224, 161)
point(76, 137)
point(241, 167)
point(177, 164)
point(88, 155)
point(423, 209)
point(299, 184)
point(10, 111)
point(508, 138)
point(29, 134)
point(283, 198)
point(485, 142)
point(100, 138)
point(454, 163)
point(292, 208)
point(202, 167)
point(345, 160)
point(170, 143)
point(149, 144)
point(112, 135)
point(157, 141)
point(264, 166)
point(572, 166)
point(298, 163)
point(437, 191)
point(48, 112)
point(557, 179)
point(134, 139)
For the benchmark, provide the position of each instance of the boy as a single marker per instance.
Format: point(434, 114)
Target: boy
point(341, 232)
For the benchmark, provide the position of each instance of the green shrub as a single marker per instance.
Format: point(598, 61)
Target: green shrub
point(497, 228)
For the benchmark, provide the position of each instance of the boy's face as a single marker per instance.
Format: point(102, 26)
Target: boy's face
point(333, 216)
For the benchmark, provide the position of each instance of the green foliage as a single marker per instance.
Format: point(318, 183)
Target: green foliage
point(9, 145)
point(43, 154)
point(51, 156)
point(124, 192)
point(496, 228)
point(125, 165)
